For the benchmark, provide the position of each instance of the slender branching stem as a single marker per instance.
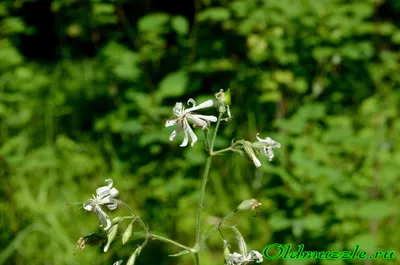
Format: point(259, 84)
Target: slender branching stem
point(161, 238)
point(221, 151)
point(203, 189)
point(217, 226)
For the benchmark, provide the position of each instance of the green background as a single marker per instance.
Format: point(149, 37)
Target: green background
point(86, 87)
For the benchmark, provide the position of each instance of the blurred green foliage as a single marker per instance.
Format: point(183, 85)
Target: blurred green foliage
point(86, 86)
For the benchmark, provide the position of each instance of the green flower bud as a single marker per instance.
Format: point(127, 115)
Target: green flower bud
point(241, 242)
point(250, 152)
point(242, 245)
point(133, 257)
point(248, 204)
point(110, 237)
point(227, 250)
point(117, 219)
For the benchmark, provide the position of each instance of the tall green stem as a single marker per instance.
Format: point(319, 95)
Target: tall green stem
point(203, 189)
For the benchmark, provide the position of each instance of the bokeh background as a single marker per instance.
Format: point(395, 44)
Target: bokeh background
point(86, 87)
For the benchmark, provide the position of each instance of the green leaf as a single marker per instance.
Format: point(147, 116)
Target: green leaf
point(102, 8)
point(152, 21)
point(12, 25)
point(122, 60)
point(375, 209)
point(214, 13)
point(9, 57)
point(180, 25)
point(173, 85)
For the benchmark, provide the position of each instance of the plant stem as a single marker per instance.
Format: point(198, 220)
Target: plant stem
point(203, 189)
point(217, 226)
point(161, 238)
point(221, 151)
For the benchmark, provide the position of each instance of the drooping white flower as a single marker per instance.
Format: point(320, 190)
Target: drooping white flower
point(248, 148)
point(183, 117)
point(104, 196)
point(239, 259)
point(266, 145)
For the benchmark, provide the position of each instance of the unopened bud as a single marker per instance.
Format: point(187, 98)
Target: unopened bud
point(110, 237)
point(251, 154)
point(241, 242)
point(242, 245)
point(133, 257)
point(248, 204)
point(224, 97)
point(224, 100)
point(227, 250)
point(117, 220)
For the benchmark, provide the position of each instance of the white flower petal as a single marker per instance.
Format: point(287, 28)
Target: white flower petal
point(118, 262)
point(87, 207)
point(258, 138)
point(177, 110)
point(185, 131)
point(114, 192)
point(268, 152)
point(255, 256)
point(197, 122)
point(203, 105)
point(191, 133)
point(209, 118)
point(104, 200)
point(113, 206)
point(235, 259)
point(103, 191)
point(173, 134)
point(103, 217)
point(110, 182)
point(169, 123)
point(269, 141)
point(191, 101)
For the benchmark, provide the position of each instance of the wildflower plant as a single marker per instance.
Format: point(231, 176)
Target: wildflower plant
point(186, 121)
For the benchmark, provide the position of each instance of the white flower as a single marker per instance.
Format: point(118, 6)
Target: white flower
point(104, 196)
point(239, 259)
point(183, 117)
point(119, 262)
point(266, 145)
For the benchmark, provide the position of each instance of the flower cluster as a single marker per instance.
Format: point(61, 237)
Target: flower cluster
point(184, 117)
point(239, 259)
point(104, 196)
point(184, 120)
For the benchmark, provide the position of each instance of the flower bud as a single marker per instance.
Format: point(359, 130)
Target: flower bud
point(227, 250)
point(242, 245)
point(117, 219)
point(133, 257)
point(251, 154)
point(224, 100)
point(224, 97)
point(247, 204)
point(127, 233)
point(241, 242)
point(110, 237)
